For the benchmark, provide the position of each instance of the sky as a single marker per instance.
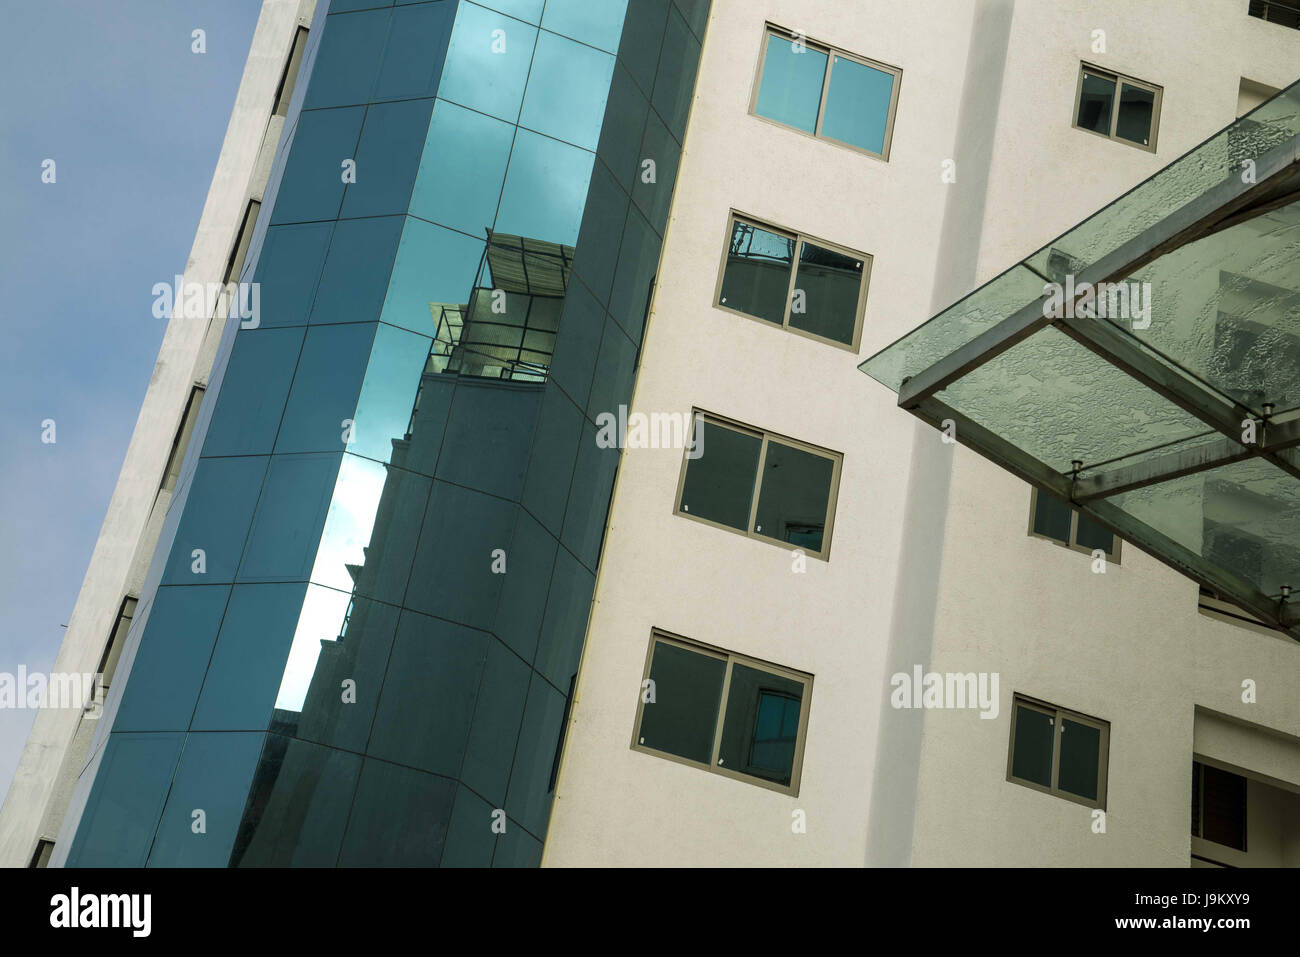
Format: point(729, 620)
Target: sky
point(112, 91)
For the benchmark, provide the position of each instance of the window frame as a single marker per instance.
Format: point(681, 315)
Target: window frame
point(766, 436)
point(800, 239)
point(831, 51)
point(1112, 557)
point(731, 658)
point(1058, 713)
point(1120, 79)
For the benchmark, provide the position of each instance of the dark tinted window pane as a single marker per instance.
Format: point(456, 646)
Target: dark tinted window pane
point(687, 692)
point(826, 288)
point(1080, 753)
point(1091, 535)
point(1031, 758)
point(857, 104)
point(1096, 98)
point(719, 484)
point(1136, 111)
point(762, 724)
point(398, 819)
point(794, 495)
point(1051, 518)
point(1224, 808)
point(791, 88)
point(756, 279)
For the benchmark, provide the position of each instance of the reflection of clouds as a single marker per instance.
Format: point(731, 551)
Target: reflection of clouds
point(322, 614)
point(349, 522)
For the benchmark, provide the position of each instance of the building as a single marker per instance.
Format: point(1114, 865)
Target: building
point(409, 606)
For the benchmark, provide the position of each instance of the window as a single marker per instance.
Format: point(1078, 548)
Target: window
point(760, 484)
point(41, 856)
point(1218, 806)
point(1118, 107)
point(182, 440)
point(289, 78)
point(1058, 751)
point(723, 712)
point(1283, 12)
point(239, 252)
point(792, 281)
point(1052, 519)
point(116, 641)
point(826, 92)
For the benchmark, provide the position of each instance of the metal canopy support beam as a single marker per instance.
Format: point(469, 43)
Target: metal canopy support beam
point(1015, 460)
point(1172, 465)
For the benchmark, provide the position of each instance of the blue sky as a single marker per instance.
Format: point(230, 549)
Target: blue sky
point(110, 90)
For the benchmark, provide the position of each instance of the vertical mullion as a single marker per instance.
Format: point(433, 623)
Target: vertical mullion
point(722, 714)
point(826, 89)
point(758, 482)
point(794, 278)
point(1114, 112)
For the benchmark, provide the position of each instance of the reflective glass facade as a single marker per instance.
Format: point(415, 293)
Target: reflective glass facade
point(368, 621)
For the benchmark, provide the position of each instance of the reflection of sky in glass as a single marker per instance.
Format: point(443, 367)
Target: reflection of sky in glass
point(397, 359)
point(857, 104)
point(348, 524)
point(792, 84)
point(322, 615)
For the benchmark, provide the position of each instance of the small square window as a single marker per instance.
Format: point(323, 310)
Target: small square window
point(1218, 806)
point(1058, 751)
point(826, 92)
point(1117, 107)
point(723, 712)
point(760, 484)
point(1053, 519)
point(806, 285)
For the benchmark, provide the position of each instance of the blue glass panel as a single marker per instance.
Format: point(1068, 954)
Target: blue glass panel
point(459, 186)
point(434, 266)
point(217, 514)
point(566, 620)
point(620, 136)
point(428, 423)
point(600, 24)
point(298, 806)
point(352, 648)
point(593, 481)
point(173, 656)
point(654, 198)
point(487, 62)
point(452, 574)
point(417, 43)
point(347, 59)
point(675, 81)
point(615, 370)
point(603, 219)
point(791, 91)
point(857, 104)
point(286, 529)
point(213, 778)
point(325, 388)
point(253, 392)
point(122, 811)
point(577, 343)
point(550, 469)
point(399, 818)
point(527, 580)
point(643, 33)
point(356, 270)
point(427, 701)
point(342, 6)
point(311, 187)
point(373, 525)
point(244, 675)
point(528, 799)
point(497, 713)
point(546, 188)
point(516, 848)
point(696, 13)
point(288, 270)
point(470, 839)
point(488, 435)
point(388, 157)
point(567, 88)
point(397, 360)
point(638, 259)
point(530, 10)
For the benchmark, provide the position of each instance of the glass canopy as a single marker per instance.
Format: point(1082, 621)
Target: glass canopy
point(1145, 365)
